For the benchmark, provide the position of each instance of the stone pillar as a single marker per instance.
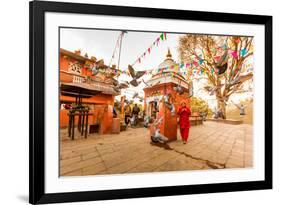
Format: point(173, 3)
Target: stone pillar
point(106, 120)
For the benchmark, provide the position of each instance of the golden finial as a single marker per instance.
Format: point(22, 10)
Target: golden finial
point(169, 55)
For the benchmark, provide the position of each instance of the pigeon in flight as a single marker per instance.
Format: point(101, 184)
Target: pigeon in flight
point(136, 95)
point(213, 89)
point(240, 79)
point(118, 86)
point(135, 75)
point(222, 64)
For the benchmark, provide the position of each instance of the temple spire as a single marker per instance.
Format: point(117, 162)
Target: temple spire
point(169, 55)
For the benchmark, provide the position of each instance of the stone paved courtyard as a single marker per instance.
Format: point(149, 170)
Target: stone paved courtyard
point(210, 146)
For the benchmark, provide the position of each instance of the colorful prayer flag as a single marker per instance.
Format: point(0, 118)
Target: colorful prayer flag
point(234, 54)
point(162, 36)
point(243, 52)
point(217, 58)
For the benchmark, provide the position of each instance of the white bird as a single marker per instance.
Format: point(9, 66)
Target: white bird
point(158, 137)
point(169, 105)
point(132, 120)
point(241, 108)
point(94, 70)
point(146, 121)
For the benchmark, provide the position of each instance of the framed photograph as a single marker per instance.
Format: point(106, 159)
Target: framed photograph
point(130, 102)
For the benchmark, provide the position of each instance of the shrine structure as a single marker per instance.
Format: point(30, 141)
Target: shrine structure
point(162, 83)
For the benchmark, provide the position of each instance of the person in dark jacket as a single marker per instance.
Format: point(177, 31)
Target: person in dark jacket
point(135, 114)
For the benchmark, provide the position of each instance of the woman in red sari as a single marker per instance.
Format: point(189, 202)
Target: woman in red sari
point(184, 113)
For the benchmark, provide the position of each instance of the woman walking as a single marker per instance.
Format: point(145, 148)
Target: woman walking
point(184, 113)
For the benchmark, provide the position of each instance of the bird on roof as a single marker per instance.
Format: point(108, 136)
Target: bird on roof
point(149, 86)
point(95, 71)
point(135, 75)
point(179, 89)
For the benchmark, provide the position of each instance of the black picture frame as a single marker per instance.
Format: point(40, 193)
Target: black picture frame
point(37, 194)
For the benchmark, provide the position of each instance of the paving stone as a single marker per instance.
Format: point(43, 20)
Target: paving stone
point(209, 146)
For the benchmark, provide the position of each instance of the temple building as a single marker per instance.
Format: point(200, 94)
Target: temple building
point(163, 83)
point(79, 86)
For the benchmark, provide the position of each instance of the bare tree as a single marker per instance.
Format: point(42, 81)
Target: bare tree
point(221, 59)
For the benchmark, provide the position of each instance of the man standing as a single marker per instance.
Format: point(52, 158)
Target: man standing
point(128, 111)
point(135, 113)
point(184, 113)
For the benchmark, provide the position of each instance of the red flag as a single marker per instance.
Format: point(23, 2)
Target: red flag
point(157, 41)
point(217, 58)
point(234, 54)
point(148, 50)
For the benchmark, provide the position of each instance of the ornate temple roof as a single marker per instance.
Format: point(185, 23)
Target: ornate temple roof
point(169, 61)
point(168, 76)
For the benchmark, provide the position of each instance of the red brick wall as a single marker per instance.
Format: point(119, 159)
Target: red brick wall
point(103, 104)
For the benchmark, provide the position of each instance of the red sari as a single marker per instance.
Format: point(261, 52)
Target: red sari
point(184, 113)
